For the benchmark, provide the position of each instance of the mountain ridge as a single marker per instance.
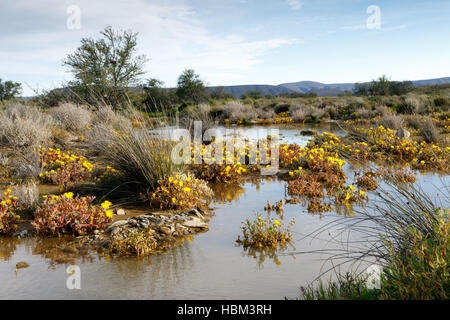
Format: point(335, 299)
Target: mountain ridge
point(321, 89)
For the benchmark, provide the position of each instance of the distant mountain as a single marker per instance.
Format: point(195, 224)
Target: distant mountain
point(431, 82)
point(239, 90)
point(321, 89)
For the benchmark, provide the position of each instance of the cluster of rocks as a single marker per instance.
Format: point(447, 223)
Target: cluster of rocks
point(178, 224)
point(162, 227)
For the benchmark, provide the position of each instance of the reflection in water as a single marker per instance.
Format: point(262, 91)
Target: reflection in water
point(261, 255)
point(7, 247)
point(62, 251)
point(227, 193)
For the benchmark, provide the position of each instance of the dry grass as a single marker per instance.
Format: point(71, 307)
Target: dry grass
point(391, 122)
point(28, 195)
point(142, 155)
point(235, 111)
point(72, 117)
point(23, 127)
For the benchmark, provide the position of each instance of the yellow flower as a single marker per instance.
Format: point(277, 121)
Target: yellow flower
point(347, 196)
point(105, 205)
point(277, 223)
point(362, 192)
point(68, 195)
point(109, 213)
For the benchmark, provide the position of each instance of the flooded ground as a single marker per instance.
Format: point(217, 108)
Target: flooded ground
point(208, 266)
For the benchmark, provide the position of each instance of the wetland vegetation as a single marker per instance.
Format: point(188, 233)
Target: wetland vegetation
point(98, 174)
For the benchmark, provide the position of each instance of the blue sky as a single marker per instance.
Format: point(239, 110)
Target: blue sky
point(235, 41)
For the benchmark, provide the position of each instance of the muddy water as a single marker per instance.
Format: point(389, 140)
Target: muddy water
point(208, 266)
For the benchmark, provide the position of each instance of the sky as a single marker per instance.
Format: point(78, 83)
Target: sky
point(231, 42)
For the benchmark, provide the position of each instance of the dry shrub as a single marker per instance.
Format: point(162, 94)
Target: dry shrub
point(23, 126)
point(105, 113)
point(27, 194)
point(265, 114)
point(299, 112)
point(391, 122)
point(383, 111)
point(201, 112)
point(364, 113)
point(425, 125)
point(72, 117)
point(234, 111)
point(29, 167)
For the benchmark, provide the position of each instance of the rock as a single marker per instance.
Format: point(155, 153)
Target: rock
point(403, 133)
point(115, 225)
point(195, 223)
point(115, 230)
point(195, 213)
point(307, 132)
point(143, 224)
point(132, 222)
point(120, 212)
point(70, 250)
point(22, 265)
point(166, 230)
point(22, 234)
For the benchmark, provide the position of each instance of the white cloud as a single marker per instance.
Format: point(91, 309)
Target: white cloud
point(295, 4)
point(170, 34)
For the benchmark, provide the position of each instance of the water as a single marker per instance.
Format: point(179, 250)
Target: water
point(211, 266)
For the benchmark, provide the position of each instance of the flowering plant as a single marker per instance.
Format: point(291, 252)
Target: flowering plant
point(8, 219)
point(69, 214)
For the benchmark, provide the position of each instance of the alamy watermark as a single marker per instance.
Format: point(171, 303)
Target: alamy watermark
point(374, 276)
point(73, 21)
point(74, 279)
point(374, 20)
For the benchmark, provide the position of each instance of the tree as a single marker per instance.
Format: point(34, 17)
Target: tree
point(252, 94)
point(383, 86)
point(190, 88)
point(9, 90)
point(106, 66)
point(220, 93)
point(156, 97)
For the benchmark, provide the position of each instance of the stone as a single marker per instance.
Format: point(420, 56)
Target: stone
point(195, 223)
point(132, 222)
point(120, 212)
point(116, 224)
point(143, 224)
point(403, 133)
point(166, 230)
point(195, 213)
point(115, 230)
point(22, 265)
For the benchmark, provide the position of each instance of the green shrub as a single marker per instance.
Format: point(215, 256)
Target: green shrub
point(441, 101)
point(282, 108)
